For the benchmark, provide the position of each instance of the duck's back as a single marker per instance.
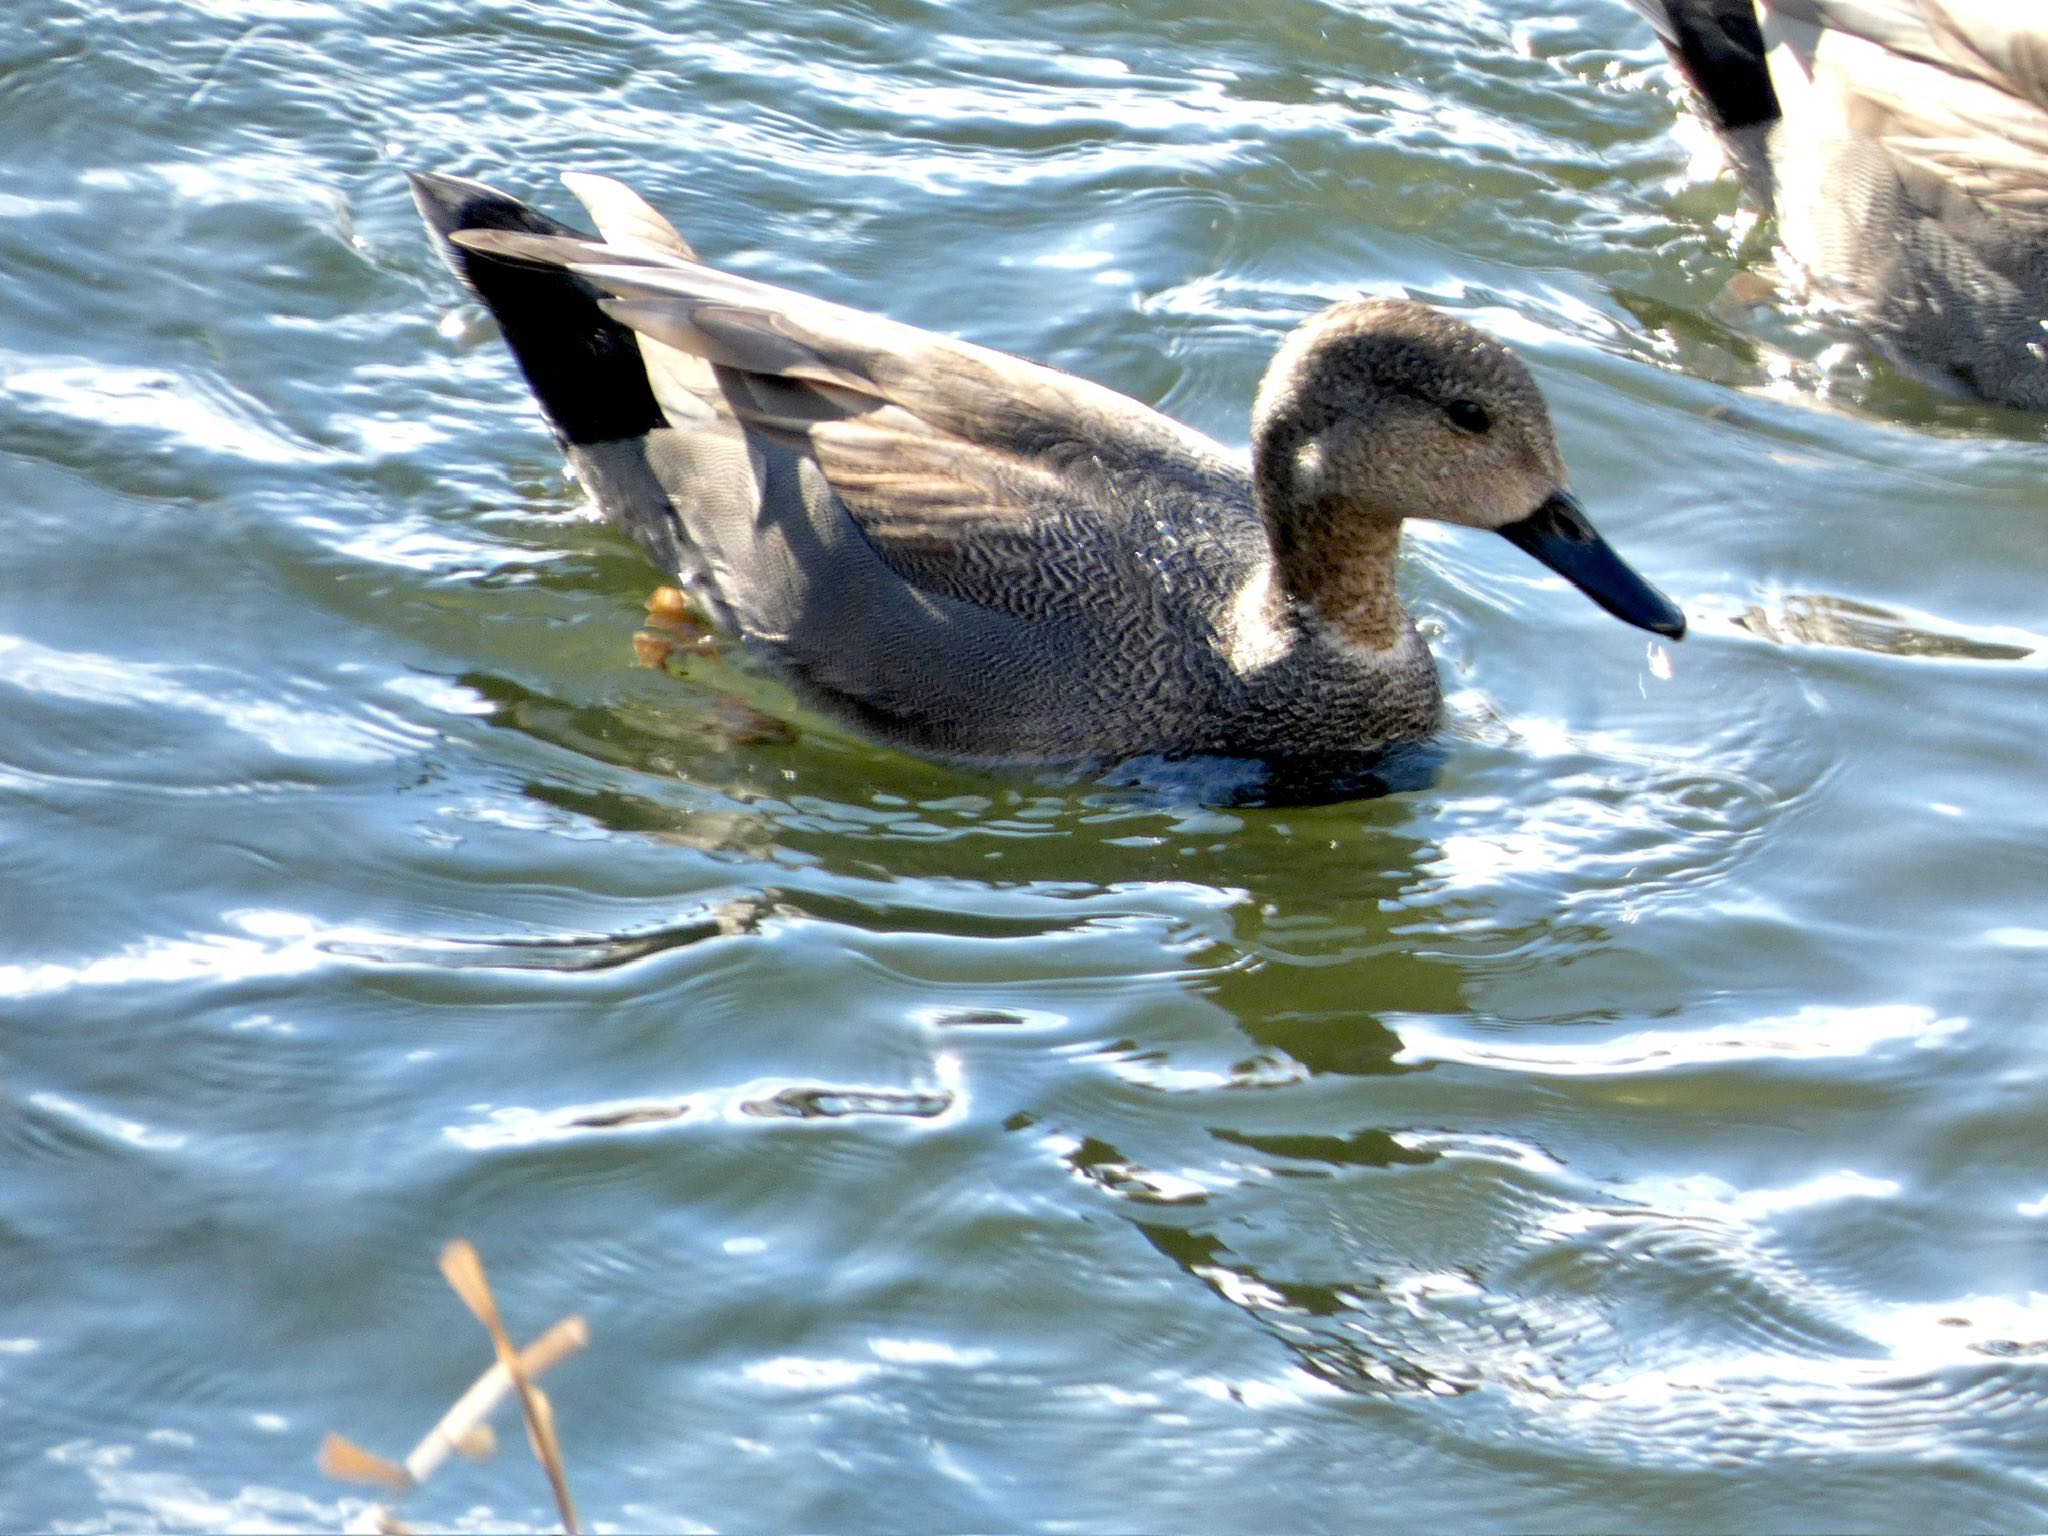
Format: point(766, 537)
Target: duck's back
point(964, 553)
point(1906, 159)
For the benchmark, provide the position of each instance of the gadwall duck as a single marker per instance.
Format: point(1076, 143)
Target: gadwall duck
point(1903, 147)
point(983, 559)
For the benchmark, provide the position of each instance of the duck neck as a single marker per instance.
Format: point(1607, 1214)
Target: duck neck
point(1343, 571)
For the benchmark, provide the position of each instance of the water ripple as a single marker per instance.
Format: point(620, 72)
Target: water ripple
point(1810, 1034)
point(1636, 1127)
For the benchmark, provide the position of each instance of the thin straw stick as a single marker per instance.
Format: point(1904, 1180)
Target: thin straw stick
point(344, 1459)
point(464, 1272)
point(488, 1391)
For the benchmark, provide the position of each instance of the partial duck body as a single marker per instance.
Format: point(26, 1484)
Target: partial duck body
point(1903, 147)
point(978, 558)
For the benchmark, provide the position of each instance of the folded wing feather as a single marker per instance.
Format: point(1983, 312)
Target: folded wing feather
point(963, 467)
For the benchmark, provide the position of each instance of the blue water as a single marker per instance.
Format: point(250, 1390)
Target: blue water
point(1642, 1127)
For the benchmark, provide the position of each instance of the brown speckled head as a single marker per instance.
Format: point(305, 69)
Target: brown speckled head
point(1377, 410)
point(1380, 409)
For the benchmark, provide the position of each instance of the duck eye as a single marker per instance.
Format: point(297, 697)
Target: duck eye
point(1468, 416)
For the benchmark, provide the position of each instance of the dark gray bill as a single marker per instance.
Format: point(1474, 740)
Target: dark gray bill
point(1558, 534)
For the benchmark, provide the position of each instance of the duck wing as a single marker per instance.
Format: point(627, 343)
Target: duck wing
point(1958, 88)
point(974, 475)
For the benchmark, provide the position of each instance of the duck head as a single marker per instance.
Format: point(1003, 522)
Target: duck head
point(1377, 410)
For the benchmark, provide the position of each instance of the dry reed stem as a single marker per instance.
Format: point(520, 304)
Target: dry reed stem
point(476, 1405)
point(463, 1428)
point(345, 1461)
point(465, 1273)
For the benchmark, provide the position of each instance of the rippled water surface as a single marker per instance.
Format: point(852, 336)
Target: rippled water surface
point(1643, 1127)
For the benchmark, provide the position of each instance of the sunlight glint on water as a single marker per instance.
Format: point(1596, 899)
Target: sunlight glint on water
point(1640, 1128)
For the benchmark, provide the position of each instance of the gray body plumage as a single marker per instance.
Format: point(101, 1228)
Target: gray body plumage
point(1108, 625)
point(1903, 147)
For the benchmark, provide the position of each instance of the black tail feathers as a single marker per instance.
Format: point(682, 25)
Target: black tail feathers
point(1720, 48)
point(584, 367)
